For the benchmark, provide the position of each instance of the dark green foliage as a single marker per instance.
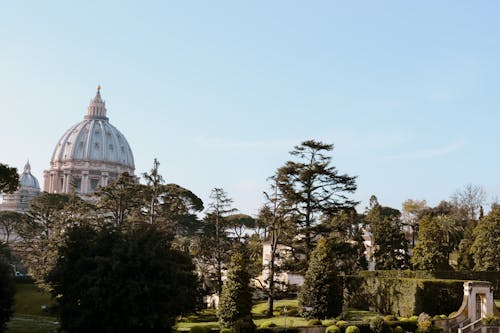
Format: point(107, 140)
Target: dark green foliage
point(198, 329)
point(431, 251)
point(7, 289)
point(391, 246)
point(312, 188)
point(352, 329)
point(226, 330)
point(110, 280)
point(244, 325)
point(333, 329)
point(321, 294)
point(486, 247)
point(9, 179)
point(314, 322)
point(403, 296)
point(236, 298)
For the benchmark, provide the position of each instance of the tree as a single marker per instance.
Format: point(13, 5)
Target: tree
point(7, 289)
point(116, 280)
point(411, 214)
point(321, 293)
point(346, 228)
point(431, 251)
point(312, 188)
point(154, 183)
point(391, 246)
point(470, 199)
point(9, 179)
point(273, 217)
point(486, 247)
point(215, 240)
point(121, 198)
point(236, 297)
point(9, 223)
point(41, 234)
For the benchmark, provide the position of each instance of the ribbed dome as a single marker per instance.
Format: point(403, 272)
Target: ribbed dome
point(94, 140)
point(27, 179)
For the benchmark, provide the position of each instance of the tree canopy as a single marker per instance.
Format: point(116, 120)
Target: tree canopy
point(111, 280)
point(313, 189)
point(9, 179)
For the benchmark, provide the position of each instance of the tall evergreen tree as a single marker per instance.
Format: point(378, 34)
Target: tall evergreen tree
point(236, 298)
point(9, 179)
point(391, 245)
point(313, 189)
point(321, 294)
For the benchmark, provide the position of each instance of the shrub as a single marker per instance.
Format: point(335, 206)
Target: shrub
point(424, 323)
point(489, 319)
point(352, 329)
point(390, 318)
point(198, 329)
point(226, 330)
point(314, 322)
point(333, 329)
point(453, 314)
point(267, 324)
point(398, 329)
point(342, 323)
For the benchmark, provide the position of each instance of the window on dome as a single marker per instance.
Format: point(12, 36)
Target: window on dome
point(96, 145)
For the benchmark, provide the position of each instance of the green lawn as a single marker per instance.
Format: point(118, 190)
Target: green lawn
point(29, 315)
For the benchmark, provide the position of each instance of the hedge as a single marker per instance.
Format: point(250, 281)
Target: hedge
point(402, 296)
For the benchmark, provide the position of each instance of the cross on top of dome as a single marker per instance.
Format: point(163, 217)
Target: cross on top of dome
point(97, 107)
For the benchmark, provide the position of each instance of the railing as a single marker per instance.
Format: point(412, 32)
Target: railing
point(473, 327)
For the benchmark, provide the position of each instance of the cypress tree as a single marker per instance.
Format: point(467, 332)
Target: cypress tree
point(321, 294)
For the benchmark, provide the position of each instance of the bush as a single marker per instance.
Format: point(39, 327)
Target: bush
point(226, 330)
point(390, 318)
point(352, 329)
point(398, 329)
point(342, 323)
point(424, 323)
point(7, 291)
point(314, 322)
point(198, 329)
point(453, 314)
point(267, 324)
point(333, 329)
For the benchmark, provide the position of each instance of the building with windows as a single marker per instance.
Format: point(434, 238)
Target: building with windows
point(91, 153)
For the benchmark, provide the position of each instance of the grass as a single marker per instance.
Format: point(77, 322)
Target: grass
point(29, 315)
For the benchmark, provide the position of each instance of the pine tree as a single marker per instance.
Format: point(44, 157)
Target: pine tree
point(235, 303)
point(321, 294)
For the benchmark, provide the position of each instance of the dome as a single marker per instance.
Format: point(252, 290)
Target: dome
point(94, 139)
point(27, 179)
point(89, 154)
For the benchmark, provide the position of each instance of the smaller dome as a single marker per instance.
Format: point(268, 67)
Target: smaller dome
point(27, 179)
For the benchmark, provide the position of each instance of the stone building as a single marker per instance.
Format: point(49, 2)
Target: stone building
point(19, 201)
point(89, 154)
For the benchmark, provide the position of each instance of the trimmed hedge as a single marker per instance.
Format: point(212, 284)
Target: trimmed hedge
point(352, 329)
point(402, 296)
point(198, 329)
point(491, 276)
point(333, 329)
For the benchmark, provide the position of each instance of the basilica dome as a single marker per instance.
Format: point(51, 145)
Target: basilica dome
point(89, 154)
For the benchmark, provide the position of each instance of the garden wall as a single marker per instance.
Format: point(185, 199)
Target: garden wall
point(402, 296)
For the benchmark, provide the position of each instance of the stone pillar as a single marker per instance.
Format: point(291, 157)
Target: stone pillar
point(84, 187)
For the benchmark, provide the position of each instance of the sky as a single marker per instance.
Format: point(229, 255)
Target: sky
point(221, 91)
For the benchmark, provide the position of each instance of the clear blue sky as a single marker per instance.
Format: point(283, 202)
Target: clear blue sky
point(220, 91)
